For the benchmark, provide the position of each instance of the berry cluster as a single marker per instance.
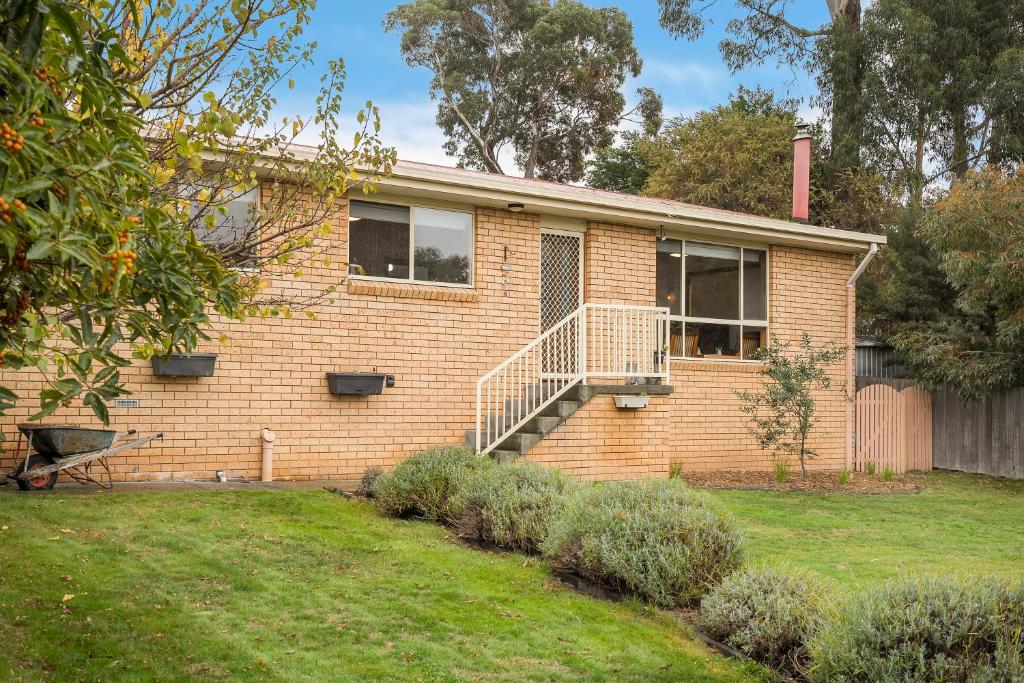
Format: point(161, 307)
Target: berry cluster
point(7, 210)
point(125, 257)
point(36, 119)
point(13, 141)
point(43, 74)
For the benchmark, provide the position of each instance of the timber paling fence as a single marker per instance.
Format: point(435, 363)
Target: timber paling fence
point(894, 428)
point(985, 436)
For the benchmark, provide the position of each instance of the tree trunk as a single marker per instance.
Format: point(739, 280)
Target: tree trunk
point(530, 167)
point(847, 74)
point(961, 147)
point(803, 454)
point(918, 180)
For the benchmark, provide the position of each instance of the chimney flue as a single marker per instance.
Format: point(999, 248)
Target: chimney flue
point(801, 173)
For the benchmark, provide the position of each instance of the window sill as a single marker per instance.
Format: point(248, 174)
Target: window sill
point(410, 290)
point(718, 364)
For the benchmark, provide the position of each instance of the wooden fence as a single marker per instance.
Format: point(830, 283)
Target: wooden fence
point(985, 436)
point(894, 428)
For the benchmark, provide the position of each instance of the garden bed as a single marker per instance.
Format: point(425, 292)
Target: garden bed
point(820, 482)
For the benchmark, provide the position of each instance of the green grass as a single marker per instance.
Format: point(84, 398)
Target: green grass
point(299, 585)
point(961, 523)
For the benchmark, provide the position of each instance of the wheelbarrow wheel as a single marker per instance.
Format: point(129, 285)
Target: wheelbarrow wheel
point(44, 482)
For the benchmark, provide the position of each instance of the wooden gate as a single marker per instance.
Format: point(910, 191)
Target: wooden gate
point(894, 428)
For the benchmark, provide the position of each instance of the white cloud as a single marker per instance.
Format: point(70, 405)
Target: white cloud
point(683, 74)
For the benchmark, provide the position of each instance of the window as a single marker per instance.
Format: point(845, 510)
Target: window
point(410, 243)
point(717, 297)
point(230, 222)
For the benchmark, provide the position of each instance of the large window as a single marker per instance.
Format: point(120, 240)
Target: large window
point(717, 297)
point(410, 243)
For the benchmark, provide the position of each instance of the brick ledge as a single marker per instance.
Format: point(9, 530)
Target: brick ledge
point(404, 290)
point(722, 366)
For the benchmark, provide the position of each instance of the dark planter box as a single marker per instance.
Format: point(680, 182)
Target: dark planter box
point(185, 365)
point(358, 383)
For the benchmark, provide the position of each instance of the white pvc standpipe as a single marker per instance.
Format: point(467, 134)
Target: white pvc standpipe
point(267, 469)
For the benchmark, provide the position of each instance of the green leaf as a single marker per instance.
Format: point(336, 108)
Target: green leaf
point(99, 407)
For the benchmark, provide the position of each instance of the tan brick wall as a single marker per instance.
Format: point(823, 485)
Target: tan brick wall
point(700, 425)
point(437, 341)
point(619, 265)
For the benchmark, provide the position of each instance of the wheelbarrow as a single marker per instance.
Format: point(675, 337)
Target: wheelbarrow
point(72, 450)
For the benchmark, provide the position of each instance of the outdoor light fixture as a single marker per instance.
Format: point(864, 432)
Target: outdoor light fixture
point(516, 207)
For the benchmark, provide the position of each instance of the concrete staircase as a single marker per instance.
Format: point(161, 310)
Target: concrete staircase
point(520, 441)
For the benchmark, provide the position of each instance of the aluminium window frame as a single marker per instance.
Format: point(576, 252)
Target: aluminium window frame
point(411, 280)
point(741, 322)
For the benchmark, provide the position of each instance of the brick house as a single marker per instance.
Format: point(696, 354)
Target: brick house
point(462, 271)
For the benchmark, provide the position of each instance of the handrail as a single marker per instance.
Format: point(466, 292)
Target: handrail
point(595, 340)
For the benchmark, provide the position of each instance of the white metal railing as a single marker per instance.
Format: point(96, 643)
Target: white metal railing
point(595, 341)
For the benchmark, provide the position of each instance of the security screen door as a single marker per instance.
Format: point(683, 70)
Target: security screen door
point(561, 271)
point(561, 293)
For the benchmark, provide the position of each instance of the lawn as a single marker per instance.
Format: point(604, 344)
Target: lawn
point(960, 523)
point(287, 585)
point(293, 585)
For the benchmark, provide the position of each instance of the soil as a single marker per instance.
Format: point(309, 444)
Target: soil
point(821, 482)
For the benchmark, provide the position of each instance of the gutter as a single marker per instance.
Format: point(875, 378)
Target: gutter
point(872, 250)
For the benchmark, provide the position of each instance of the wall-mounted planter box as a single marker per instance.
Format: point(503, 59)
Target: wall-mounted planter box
point(185, 365)
point(358, 383)
point(631, 402)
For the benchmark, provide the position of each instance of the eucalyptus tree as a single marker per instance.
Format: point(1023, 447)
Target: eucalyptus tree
point(764, 31)
point(975, 343)
point(944, 89)
point(539, 78)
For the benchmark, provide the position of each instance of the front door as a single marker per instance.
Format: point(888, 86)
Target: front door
point(561, 275)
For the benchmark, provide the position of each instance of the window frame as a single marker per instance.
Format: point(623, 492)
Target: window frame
point(741, 322)
point(253, 267)
point(411, 280)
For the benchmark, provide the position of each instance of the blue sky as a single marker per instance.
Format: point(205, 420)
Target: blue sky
point(689, 75)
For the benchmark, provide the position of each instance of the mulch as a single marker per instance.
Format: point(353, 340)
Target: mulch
point(812, 482)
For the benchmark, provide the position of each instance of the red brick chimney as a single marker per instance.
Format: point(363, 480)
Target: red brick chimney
point(801, 173)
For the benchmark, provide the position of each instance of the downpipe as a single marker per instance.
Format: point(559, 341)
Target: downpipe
point(851, 438)
point(872, 250)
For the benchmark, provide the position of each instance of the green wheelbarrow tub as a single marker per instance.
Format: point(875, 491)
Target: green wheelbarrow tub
point(58, 441)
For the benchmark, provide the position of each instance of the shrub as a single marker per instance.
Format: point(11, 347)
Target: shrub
point(675, 470)
point(366, 484)
point(933, 628)
point(511, 505)
point(428, 483)
point(844, 476)
point(767, 613)
point(781, 468)
point(654, 538)
point(870, 468)
point(888, 473)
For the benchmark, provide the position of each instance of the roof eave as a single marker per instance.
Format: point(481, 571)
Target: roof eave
point(498, 191)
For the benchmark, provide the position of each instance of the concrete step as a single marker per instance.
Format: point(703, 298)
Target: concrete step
point(505, 456)
point(561, 409)
point(520, 442)
point(542, 425)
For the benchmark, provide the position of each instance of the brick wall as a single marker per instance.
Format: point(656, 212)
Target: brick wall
point(700, 425)
point(271, 373)
point(437, 341)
